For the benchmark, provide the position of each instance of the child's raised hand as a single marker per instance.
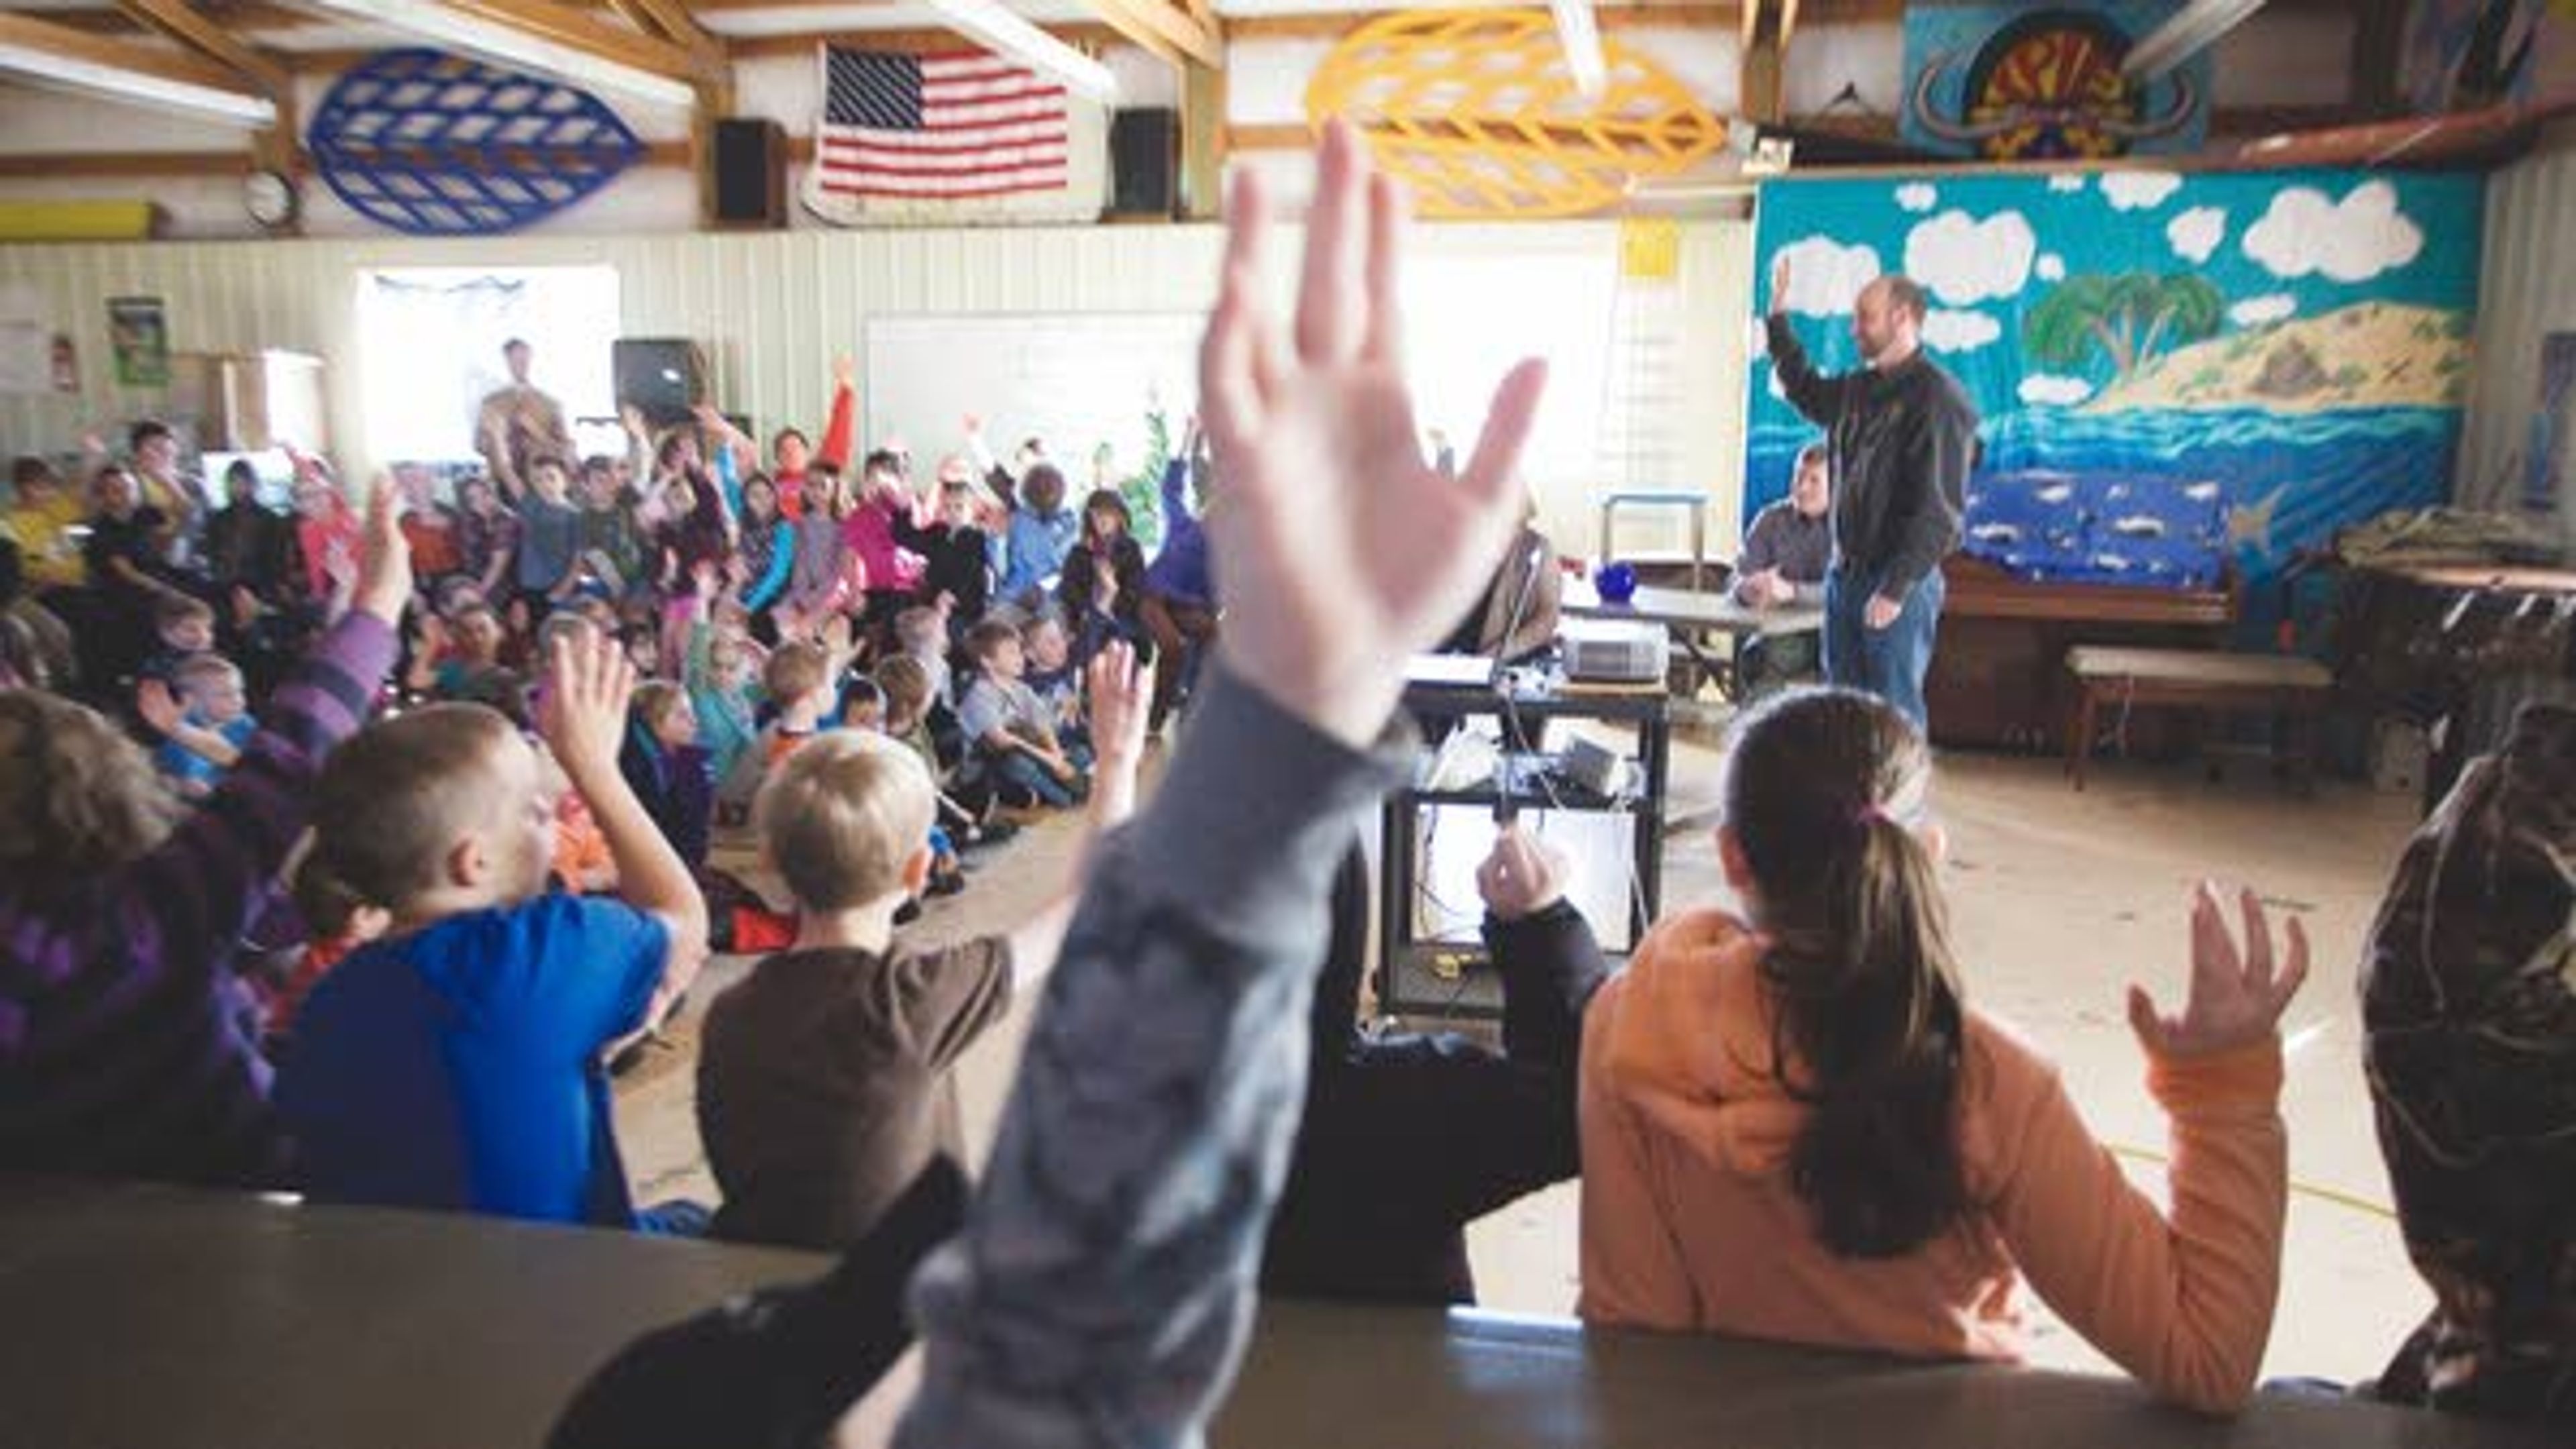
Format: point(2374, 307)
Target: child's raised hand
point(384, 579)
point(589, 682)
point(2236, 1000)
point(1522, 876)
point(1343, 553)
point(153, 702)
point(1121, 694)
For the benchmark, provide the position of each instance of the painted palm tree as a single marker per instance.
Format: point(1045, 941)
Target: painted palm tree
point(2128, 319)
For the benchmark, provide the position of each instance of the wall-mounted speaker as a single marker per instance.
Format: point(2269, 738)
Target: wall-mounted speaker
point(665, 377)
point(748, 187)
point(1145, 161)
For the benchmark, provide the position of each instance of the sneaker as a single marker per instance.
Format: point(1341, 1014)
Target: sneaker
point(907, 913)
point(947, 884)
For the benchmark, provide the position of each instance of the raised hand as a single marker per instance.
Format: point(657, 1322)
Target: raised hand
point(1522, 876)
point(1343, 553)
point(845, 372)
point(384, 560)
point(1779, 283)
point(155, 705)
point(589, 682)
point(2236, 999)
point(1121, 694)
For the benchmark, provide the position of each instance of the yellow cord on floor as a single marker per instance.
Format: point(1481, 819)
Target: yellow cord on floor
point(2337, 1196)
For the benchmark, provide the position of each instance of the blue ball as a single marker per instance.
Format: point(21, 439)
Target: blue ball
point(1617, 582)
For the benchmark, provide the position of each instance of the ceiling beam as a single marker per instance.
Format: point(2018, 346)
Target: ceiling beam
point(671, 20)
point(125, 70)
point(219, 43)
point(1165, 28)
point(545, 37)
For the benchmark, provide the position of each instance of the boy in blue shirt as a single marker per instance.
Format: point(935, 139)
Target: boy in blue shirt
point(459, 1061)
point(213, 724)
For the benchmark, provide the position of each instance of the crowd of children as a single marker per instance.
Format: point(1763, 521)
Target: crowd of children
point(1791, 1124)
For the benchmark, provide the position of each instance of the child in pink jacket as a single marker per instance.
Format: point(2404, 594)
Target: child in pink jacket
point(1795, 1128)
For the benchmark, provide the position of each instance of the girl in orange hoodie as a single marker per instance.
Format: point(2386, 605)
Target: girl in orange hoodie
point(1795, 1128)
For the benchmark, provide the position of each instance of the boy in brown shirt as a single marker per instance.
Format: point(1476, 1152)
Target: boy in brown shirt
point(823, 1081)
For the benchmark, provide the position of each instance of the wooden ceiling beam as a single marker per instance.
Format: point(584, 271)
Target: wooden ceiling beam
point(199, 32)
point(672, 21)
point(91, 62)
point(1166, 29)
point(584, 31)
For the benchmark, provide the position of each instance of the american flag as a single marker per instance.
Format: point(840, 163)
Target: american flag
point(938, 127)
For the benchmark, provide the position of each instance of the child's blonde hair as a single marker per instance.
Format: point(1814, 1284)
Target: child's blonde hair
point(199, 670)
point(395, 797)
point(841, 816)
point(918, 626)
point(795, 670)
point(655, 699)
point(77, 796)
point(905, 683)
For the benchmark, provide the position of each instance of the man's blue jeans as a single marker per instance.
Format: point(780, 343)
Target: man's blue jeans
point(1889, 662)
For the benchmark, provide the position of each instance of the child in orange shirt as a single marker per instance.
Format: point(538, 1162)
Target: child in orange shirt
point(1795, 1128)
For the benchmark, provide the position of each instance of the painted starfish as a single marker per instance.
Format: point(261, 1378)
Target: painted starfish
point(2251, 524)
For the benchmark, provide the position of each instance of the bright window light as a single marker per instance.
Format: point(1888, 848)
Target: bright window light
point(429, 341)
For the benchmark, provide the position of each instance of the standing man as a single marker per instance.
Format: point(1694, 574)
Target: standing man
point(519, 424)
point(1898, 433)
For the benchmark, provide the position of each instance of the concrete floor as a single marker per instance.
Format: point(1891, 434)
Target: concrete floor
point(2058, 901)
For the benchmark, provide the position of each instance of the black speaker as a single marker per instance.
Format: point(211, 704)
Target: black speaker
point(665, 377)
point(749, 187)
point(1145, 159)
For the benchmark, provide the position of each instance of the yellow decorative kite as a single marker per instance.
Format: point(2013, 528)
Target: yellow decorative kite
point(1475, 112)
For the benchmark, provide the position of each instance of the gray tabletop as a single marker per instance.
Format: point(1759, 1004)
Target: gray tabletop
point(151, 1318)
point(1690, 609)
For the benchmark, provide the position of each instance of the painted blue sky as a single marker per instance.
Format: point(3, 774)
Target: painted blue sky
point(2278, 245)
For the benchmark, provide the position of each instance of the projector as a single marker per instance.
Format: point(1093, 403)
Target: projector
point(1614, 651)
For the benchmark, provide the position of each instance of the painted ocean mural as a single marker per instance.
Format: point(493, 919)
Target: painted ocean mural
point(2288, 348)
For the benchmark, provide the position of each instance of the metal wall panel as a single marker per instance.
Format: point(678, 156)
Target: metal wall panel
point(772, 309)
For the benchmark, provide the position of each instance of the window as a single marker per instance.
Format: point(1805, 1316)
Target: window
point(430, 341)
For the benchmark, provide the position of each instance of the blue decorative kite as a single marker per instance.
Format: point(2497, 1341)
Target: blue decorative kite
point(437, 145)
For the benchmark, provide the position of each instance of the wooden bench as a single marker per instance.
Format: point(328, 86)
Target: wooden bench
point(2290, 689)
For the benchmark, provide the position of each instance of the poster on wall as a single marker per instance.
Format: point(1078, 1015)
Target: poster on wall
point(2016, 82)
point(2468, 55)
point(139, 332)
point(2281, 354)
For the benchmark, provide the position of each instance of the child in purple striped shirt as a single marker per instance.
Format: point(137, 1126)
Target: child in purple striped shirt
point(128, 1046)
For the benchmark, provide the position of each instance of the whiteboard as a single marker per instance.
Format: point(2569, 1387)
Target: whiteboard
point(1074, 380)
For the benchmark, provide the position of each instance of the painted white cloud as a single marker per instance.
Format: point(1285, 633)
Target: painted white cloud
point(2050, 267)
point(2139, 190)
point(1948, 331)
point(2257, 311)
point(2066, 183)
point(1917, 196)
point(2350, 241)
point(2196, 233)
point(1825, 277)
point(2041, 389)
point(1962, 262)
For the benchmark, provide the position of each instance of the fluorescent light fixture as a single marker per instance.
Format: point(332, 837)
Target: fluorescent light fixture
point(1581, 38)
point(504, 45)
point(45, 67)
point(1007, 33)
point(2193, 29)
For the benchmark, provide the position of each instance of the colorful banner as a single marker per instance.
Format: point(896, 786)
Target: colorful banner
point(2008, 82)
point(2298, 340)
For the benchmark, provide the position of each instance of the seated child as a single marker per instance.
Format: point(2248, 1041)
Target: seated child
point(1053, 676)
point(1030, 552)
point(906, 688)
point(798, 679)
point(667, 770)
point(459, 1062)
point(958, 553)
point(185, 626)
point(1102, 590)
point(212, 726)
point(824, 1085)
point(1794, 1127)
point(1011, 740)
point(862, 704)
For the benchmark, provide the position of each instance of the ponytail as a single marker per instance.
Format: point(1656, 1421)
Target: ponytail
point(1871, 1028)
